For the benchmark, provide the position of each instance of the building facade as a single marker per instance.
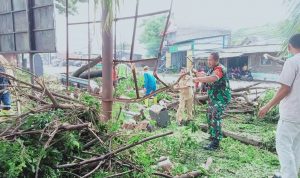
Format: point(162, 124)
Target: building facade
point(184, 43)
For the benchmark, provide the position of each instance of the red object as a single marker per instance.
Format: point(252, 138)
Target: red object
point(218, 72)
point(114, 75)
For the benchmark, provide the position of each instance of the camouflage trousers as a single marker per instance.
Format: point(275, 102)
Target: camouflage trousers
point(215, 112)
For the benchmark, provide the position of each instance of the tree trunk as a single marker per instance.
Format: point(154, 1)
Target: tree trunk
point(237, 136)
point(86, 67)
point(92, 74)
point(107, 52)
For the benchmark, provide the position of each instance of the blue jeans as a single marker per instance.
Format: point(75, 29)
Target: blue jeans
point(5, 100)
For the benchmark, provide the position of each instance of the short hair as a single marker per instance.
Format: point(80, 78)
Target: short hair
point(295, 41)
point(215, 55)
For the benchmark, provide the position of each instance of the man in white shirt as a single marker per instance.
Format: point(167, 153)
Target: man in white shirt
point(288, 129)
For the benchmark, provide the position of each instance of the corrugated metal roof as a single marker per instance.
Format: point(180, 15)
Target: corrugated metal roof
point(241, 50)
point(222, 55)
point(253, 49)
point(187, 34)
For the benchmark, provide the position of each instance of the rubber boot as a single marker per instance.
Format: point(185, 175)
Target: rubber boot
point(214, 145)
point(155, 100)
point(277, 175)
point(147, 102)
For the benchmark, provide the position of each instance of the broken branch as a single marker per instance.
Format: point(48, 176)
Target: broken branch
point(113, 152)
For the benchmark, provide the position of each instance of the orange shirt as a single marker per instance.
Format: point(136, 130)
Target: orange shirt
point(114, 75)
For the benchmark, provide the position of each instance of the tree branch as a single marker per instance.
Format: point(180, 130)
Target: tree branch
point(113, 152)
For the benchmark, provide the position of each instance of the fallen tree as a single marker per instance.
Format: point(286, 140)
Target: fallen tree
point(237, 136)
point(91, 74)
point(65, 136)
point(111, 154)
point(86, 67)
point(240, 99)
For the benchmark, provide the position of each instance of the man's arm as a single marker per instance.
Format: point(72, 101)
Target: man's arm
point(216, 75)
point(286, 79)
point(281, 93)
point(207, 79)
point(181, 88)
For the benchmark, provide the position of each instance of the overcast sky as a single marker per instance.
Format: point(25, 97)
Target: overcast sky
point(227, 14)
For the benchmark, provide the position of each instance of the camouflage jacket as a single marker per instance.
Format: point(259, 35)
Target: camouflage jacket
point(219, 91)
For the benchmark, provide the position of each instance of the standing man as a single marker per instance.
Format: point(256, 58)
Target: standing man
point(115, 77)
point(186, 97)
point(219, 96)
point(288, 129)
point(5, 103)
point(149, 84)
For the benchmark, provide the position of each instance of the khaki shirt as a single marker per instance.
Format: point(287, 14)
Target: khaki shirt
point(186, 93)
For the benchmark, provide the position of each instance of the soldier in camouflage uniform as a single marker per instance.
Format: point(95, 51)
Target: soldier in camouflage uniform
point(219, 95)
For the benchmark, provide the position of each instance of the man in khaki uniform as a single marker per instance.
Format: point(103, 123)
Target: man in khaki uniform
point(186, 96)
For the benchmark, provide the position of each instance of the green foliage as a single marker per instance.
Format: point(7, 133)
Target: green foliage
point(90, 101)
point(94, 105)
point(164, 95)
point(184, 148)
point(72, 141)
point(268, 31)
point(281, 31)
point(273, 114)
point(100, 174)
point(25, 76)
point(126, 87)
point(183, 144)
point(41, 120)
point(73, 9)
point(111, 6)
point(151, 36)
point(292, 24)
point(114, 126)
point(269, 141)
point(134, 139)
point(142, 156)
point(13, 158)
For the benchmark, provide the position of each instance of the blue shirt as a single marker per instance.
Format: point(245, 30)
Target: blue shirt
point(149, 81)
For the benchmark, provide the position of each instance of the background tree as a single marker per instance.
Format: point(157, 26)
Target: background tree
point(61, 6)
point(151, 36)
point(292, 24)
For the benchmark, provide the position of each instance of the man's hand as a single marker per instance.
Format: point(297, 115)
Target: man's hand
point(283, 91)
point(263, 111)
point(175, 87)
point(195, 80)
point(200, 74)
point(132, 66)
point(184, 73)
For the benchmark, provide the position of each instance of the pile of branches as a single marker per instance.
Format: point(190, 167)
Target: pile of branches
point(55, 135)
point(66, 148)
